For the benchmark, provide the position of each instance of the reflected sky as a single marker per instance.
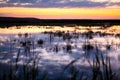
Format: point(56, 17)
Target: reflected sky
point(39, 29)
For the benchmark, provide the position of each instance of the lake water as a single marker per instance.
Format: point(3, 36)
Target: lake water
point(54, 47)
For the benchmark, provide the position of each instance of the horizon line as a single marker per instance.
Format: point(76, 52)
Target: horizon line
point(57, 18)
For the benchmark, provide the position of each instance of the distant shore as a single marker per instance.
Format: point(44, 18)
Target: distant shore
point(14, 21)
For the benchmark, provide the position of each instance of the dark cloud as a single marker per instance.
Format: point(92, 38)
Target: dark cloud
point(22, 1)
point(57, 3)
point(111, 4)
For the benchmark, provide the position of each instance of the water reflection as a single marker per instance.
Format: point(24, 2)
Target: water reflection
point(58, 46)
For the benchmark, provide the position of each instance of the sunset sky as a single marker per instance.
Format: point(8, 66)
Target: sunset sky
point(61, 9)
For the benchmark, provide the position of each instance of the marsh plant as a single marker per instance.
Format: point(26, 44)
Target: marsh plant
point(28, 71)
point(100, 69)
